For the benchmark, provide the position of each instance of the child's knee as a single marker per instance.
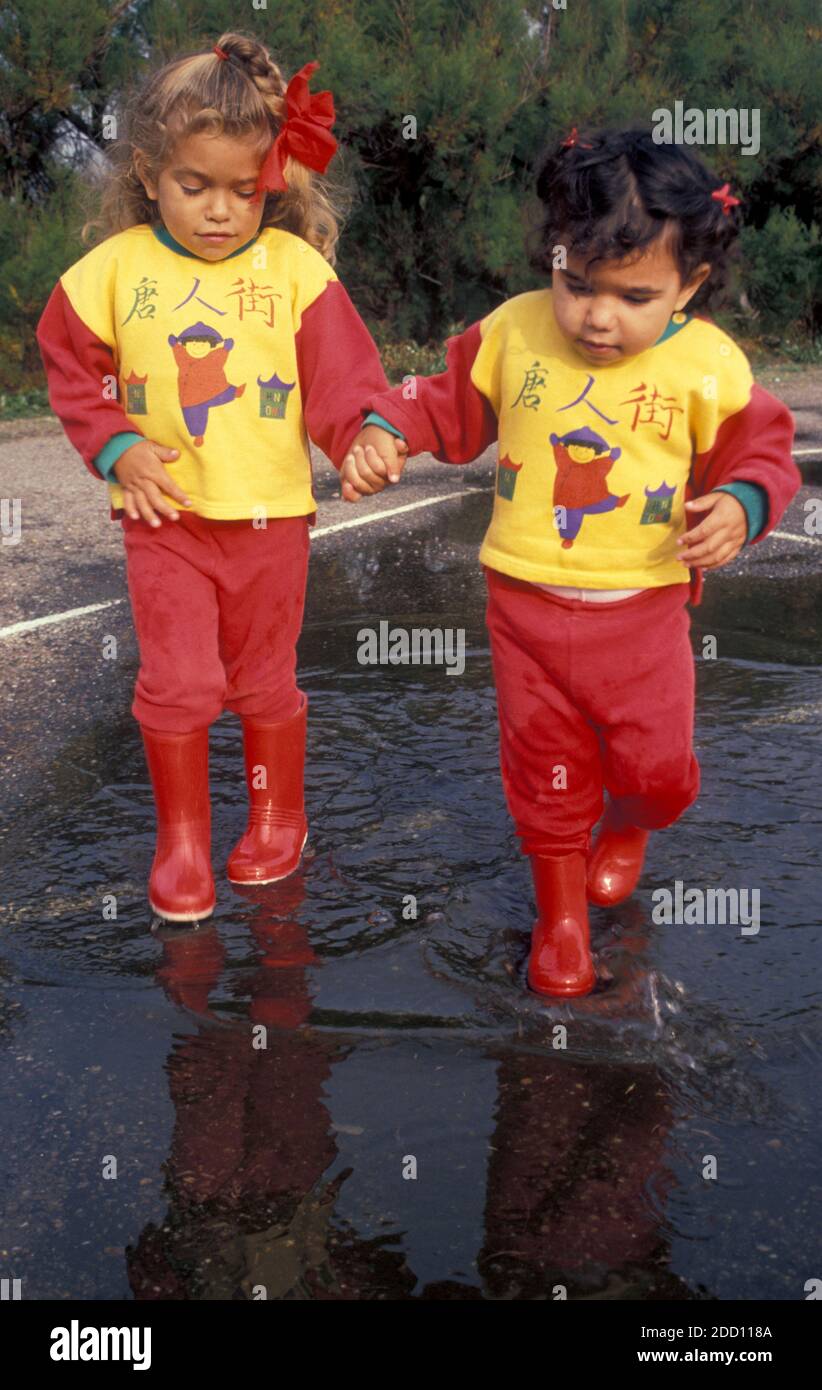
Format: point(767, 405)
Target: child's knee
point(178, 707)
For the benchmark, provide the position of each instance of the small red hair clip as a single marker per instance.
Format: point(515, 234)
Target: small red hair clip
point(221, 53)
point(724, 196)
point(573, 139)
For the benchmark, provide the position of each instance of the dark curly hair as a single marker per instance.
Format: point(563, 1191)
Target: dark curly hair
point(612, 200)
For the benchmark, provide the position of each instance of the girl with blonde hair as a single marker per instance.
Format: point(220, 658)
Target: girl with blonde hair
point(190, 356)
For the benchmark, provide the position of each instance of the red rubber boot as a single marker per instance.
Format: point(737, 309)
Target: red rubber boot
point(181, 886)
point(277, 828)
point(616, 860)
point(560, 962)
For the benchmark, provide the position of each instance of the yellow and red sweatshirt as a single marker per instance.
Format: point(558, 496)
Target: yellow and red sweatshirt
point(596, 462)
point(236, 363)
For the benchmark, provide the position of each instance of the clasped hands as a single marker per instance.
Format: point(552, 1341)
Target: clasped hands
point(376, 457)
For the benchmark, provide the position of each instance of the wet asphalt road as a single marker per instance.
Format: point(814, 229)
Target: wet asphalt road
point(391, 1038)
point(71, 556)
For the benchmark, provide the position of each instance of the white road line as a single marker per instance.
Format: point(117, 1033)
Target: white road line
point(15, 629)
point(788, 536)
point(394, 511)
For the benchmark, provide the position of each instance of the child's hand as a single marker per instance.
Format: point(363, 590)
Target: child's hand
point(719, 538)
point(376, 456)
point(140, 473)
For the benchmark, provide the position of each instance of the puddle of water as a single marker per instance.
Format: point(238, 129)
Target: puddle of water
point(553, 1143)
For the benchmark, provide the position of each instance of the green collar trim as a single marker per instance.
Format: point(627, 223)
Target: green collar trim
point(164, 235)
point(678, 321)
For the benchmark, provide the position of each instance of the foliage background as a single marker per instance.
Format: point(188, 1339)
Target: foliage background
point(435, 234)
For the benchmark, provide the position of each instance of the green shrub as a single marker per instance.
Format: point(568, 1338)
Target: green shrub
point(405, 357)
point(36, 246)
point(783, 270)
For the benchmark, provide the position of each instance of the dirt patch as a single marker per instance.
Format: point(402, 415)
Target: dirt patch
point(33, 425)
point(795, 385)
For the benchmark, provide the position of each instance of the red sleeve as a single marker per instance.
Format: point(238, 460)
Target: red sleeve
point(449, 417)
point(76, 363)
point(338, 365)
point(753, 446)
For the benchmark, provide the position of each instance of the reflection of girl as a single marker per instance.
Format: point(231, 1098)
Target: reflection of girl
point(218, 314)
point(589, 632)
point(251, 1208)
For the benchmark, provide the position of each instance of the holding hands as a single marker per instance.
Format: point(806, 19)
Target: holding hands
point(376, 457)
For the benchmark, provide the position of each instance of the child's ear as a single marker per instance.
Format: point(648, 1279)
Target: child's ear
point(688, 291)
point(139, 163)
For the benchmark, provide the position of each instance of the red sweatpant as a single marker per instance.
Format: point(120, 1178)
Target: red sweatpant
point(591, 695)
point(217, 608)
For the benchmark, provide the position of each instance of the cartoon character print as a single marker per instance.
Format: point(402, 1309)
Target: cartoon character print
point(201, 380)
point(583, 461)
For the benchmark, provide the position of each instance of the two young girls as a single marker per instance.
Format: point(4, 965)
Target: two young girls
point(623, 416)
point(192, 351)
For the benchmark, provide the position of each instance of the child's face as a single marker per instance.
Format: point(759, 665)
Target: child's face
point(626, 308)
point(219, 173)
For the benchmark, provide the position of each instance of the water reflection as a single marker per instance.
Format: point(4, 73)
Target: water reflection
point(578, 1182)
point(248, 1207)
point(395, 1032)
point(572, 1157)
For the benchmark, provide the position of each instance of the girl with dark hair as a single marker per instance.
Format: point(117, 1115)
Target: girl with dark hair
point(635, 451)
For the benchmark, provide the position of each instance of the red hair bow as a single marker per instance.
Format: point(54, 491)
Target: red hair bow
point(304, 134)
point(724, 196)
point(573, 139)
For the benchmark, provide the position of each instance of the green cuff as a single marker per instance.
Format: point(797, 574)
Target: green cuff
point(372, 418)
point(755, 501)
point(109, 454)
